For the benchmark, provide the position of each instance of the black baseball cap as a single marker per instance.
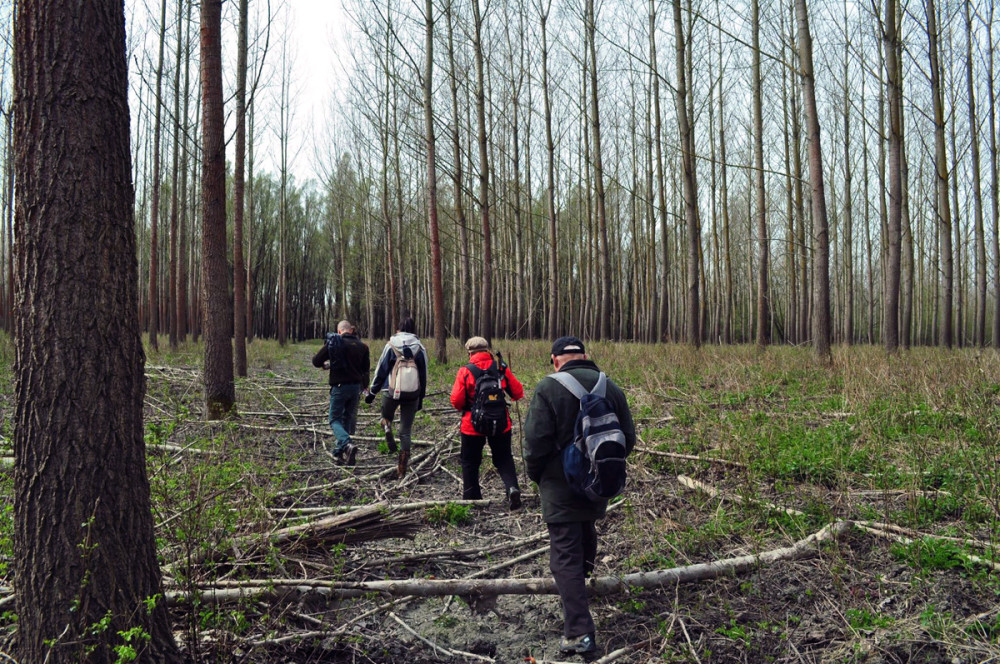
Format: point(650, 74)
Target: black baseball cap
point(564, 345)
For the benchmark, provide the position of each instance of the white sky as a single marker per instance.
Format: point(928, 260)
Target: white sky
point(319, 30)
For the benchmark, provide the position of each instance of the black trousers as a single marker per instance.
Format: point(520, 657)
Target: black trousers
point(472, 458)
point(572, 552)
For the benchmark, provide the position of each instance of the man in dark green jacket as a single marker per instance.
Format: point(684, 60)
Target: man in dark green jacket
point(569, 517)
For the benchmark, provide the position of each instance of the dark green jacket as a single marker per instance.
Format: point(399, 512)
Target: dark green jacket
point(548, 428)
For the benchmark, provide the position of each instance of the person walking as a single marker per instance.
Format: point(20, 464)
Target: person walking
point(570, 517)
point(401, 376)
point(479, 393)
point(346, 356)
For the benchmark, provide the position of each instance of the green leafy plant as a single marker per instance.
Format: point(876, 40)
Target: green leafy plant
point(449, 513)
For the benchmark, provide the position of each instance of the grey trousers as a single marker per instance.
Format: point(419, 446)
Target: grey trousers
point(572, 551)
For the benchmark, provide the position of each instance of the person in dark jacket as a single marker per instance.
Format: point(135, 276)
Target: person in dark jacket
point(570, 517)
point(347, 358)
point(402, 344)
point(462, 398)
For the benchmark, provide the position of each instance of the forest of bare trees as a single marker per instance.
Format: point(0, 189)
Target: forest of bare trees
point(692, 171)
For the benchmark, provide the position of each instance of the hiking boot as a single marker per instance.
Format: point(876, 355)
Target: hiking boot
point(404, 459)
point(514, 498)
point(390, 440)
point(579, 645)
point(351, 454)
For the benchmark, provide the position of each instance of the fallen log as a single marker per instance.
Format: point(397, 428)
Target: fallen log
point(606, 585)
point(710, 490)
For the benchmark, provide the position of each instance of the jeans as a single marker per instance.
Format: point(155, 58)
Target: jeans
point(572, 552)
point(407, 413)
point(344, 400)
point(472, 457)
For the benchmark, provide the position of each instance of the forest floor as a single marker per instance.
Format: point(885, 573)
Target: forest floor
point(740, 452)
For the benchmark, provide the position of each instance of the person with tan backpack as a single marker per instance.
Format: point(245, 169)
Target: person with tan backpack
point(401, 376)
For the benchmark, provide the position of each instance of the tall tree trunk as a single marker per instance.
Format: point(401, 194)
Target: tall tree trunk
point(239, 271)
point(763, 241)
point(662, 322)
point(848, 200)
point(727, 333)
point(821, 238)
point(995, 180)
point(690, 185)
point(154, 252)
point(432, 208)
point(977, 188)
point(181, 303)
point(941, 162)
point(174, 199)
point(84, 546)
point(550, 169)
point(220, 392)
point(486, 300)
point(457, 175)
point(602, 215)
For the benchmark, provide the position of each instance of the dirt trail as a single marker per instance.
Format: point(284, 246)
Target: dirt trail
point(855, 602)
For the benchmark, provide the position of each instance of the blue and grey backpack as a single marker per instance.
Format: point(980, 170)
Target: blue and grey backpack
point(594, 462)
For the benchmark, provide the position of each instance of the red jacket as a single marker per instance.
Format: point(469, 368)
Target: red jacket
point(463, 392)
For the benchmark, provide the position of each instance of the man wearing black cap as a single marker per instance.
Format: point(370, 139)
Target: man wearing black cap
point(569, 516)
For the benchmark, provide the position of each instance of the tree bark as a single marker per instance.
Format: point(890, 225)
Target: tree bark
point(693, 336)
point(763, 241)
point(602, 215)
point(977, 187)
point(437, 287)
point(239, 184)
point(486, 299)
point(941, 163)
point(220, 392)
point(821, 238)
point(83, 530)
point(154, 251)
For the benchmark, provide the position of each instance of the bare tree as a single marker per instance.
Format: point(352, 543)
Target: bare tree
point(821, 237)
point(977, 187)
point(154, 253)
point(239, 187)
point(690, 185)
point(432, 211)
point(763, 241)
point(941, 163)
point(220, 392)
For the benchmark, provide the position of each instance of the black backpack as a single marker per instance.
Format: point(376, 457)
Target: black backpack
point(489, 405)
point(594, 461)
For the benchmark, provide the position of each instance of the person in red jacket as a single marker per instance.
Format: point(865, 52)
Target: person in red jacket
point(463, 398)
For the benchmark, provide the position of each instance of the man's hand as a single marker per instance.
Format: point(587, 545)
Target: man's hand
point(326, 365)
point(369, 398)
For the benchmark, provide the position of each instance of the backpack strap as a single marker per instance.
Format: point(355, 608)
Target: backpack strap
point(568, 381)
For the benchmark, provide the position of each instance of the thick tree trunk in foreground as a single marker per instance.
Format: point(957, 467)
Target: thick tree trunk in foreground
point(220, 392)
point(84, 544)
